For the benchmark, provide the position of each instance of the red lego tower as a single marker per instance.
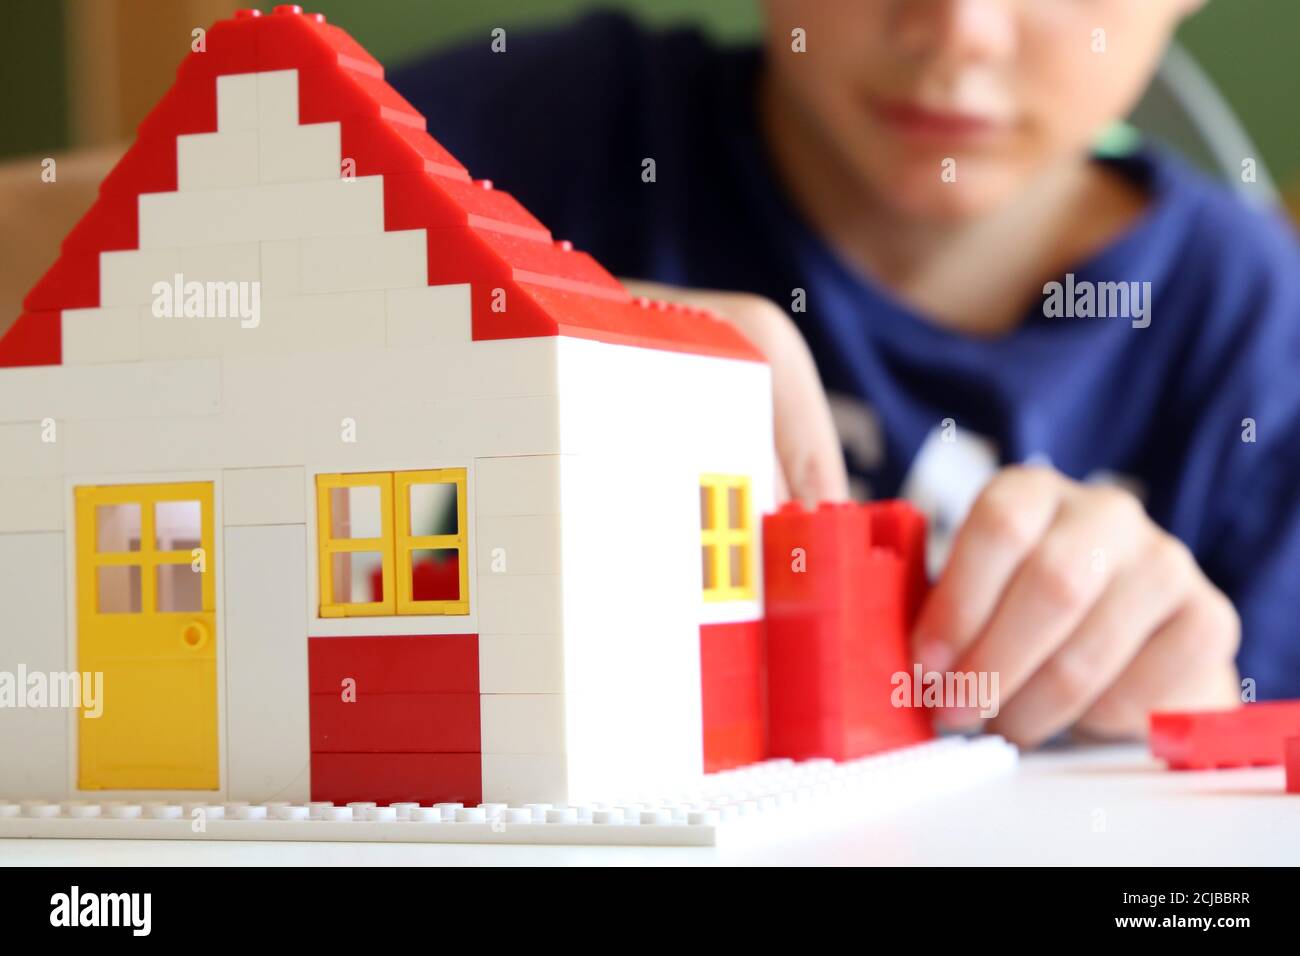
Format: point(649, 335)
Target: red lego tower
point(843, 585)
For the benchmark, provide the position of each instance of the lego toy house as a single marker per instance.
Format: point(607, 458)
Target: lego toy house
point(428, 527)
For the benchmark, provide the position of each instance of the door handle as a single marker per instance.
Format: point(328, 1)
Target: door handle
point(194, 635)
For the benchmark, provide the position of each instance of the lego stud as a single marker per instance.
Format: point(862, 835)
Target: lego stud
point(245, 14)
point(483, 183)
point(288, 8)
point(564, 245)
point(403, 809)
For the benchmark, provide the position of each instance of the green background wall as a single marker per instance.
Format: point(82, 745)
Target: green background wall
point(1250, 47)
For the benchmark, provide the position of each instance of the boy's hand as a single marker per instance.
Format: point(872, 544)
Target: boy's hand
point(812, 462)
point(1091, 614)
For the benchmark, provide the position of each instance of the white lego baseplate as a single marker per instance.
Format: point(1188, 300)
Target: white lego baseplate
point(775, 797)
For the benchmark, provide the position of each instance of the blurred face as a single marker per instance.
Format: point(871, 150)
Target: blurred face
point(946, 108)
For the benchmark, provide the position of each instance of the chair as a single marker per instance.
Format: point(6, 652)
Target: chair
point(1185, 110)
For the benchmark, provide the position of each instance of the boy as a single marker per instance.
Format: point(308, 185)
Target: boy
point(911, 182)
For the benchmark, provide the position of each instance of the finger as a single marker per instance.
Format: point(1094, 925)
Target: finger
point(806, 440)
point(1057, 584)
point(807, 444)
point(1186, 665)
point(1139, 600)
point(1004, 524)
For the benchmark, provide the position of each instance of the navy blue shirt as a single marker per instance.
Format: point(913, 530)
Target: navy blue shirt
point(564, 121)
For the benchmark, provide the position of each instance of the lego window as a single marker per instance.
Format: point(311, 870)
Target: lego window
point(355, 544)
point(726, 538)
point(432, 542)
point(137, 547)
point(393, 543)
point(117, 589)
point(117, 528)
point(178, 586)
point(357, 511)
point(176, 525)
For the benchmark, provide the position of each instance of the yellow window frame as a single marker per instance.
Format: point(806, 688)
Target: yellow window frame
point(407, 543)
point(148, 558)
point(717, 537)
point(327, 546)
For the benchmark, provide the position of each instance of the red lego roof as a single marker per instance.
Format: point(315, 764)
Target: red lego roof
point(476, 234)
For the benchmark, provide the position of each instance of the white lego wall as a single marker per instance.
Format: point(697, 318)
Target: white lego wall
point(616, 700)
point(262, 201)
point(33, 741)
point(267, 712)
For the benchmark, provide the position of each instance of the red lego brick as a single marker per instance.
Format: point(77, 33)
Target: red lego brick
point(900, 528)
point(555, 265)
point(379, 148)
point(290, 38)
point(149, 166)
point(35, 339)
point(1293, 765)
point(638, 322)
point(190, 106)
point(424, 664)
point(458, 254)
point(111, 223)
point(71, 283)
point(842, 586)
point(732, 679)
point(1252, 735)
point(394, 778)
point(442, 202)
point(337, 79)
point(420, 149)
point(395, 723)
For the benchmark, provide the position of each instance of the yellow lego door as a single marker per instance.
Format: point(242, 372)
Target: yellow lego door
point(146, 619)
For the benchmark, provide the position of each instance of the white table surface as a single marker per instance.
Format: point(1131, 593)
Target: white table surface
point(1101, 805)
